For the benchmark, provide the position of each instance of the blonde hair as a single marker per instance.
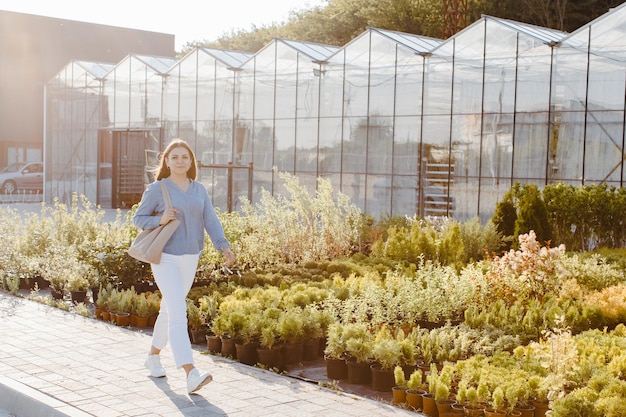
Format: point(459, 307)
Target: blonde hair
point(162, 170)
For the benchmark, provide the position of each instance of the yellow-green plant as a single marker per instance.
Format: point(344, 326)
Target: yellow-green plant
point(416, 380)
point(497, 398)
point(386, 350)
point(142, 309)
point(335, 342)
point(299, 228)
point(195, 316)
point(399, 377)
point(291, 326)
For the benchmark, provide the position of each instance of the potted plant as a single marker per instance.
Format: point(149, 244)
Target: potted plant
point(442, 397)
point(539, 395)
point(124, 305)
point(359, 351)
point(77, 285)
point(269, 353)
point(415, 389)
point(400, 387)
point(461, 397)
point(196, 323)
point(101, 308)
point(473, 408)
point(141, 310)
point(428, 399)
point(496, 403)
point(209, 304)
point(386, 354)
point(154, 304)
point(312, 329)
point(291, 330)
point(247, 343)
point(335, 353)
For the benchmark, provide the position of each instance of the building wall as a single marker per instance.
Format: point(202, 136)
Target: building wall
point(33, 49)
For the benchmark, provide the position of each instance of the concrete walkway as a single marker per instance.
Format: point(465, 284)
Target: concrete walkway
point(55, 363)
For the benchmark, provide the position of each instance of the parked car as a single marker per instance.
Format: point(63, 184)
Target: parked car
point(21, 176)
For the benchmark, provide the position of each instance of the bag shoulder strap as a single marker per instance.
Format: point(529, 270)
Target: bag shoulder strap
point(166, 195)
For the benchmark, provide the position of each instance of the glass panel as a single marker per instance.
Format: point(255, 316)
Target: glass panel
point(607, 35)
point(606, 84)
point(382, 76)
point(497, 146)
point(170, 95)
point(139, 75)
point(354, 145)
point(205, 144)
point(409, 83)
point(264, 72)
point(461, 197)
point(406, 145)
point(380, 145)
point(285, 136)
point(286, 81)
point(438, 85)
point(468, 71)
point(604, 154)
point(378, 201)
point(223, 141)
point(306, 145)
point(500, 66)
point(308, 88)
point(206, 86)
point(353, 185)
point(263, 145)
point(243, 146)
point(262, 180)
point(187, 131)
point(152, 102)
point(330, 145)
point(533, 76)
point(121, 94)
point(530, 147)
point(404, 195)
point(188, 85)
point(331, 90)
point(491, 192)
point(570, 79)
point(566, 150)
point(244, 92)
point(356, 87)
point(224, 94)
point(436, 137)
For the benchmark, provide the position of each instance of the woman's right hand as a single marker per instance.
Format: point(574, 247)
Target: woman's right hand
point(168, 215)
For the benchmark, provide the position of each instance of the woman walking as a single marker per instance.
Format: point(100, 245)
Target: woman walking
point(175, 273)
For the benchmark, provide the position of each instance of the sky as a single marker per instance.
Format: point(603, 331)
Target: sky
point(188, 20)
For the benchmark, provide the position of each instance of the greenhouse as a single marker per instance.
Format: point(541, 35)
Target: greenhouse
point(400, 123)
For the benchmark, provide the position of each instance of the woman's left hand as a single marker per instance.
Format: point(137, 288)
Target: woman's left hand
point(229, 255)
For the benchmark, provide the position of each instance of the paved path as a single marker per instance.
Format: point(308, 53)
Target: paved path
point(54, 363)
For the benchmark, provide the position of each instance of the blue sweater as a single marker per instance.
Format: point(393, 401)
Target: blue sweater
point(195, 211)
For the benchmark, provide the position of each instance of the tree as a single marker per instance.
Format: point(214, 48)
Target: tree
point(505, 216)
point(532, 215)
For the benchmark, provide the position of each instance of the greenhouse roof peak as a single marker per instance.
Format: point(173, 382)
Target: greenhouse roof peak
point(317, 51)
point(233, 59)
point(420, 44)
point(97, 69)
point(158, 63)
point(545, 35)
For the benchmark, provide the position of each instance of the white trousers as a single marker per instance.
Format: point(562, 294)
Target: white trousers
point(174, 276)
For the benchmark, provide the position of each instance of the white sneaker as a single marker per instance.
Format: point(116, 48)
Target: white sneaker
point(197, 379)
point(153, 363)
